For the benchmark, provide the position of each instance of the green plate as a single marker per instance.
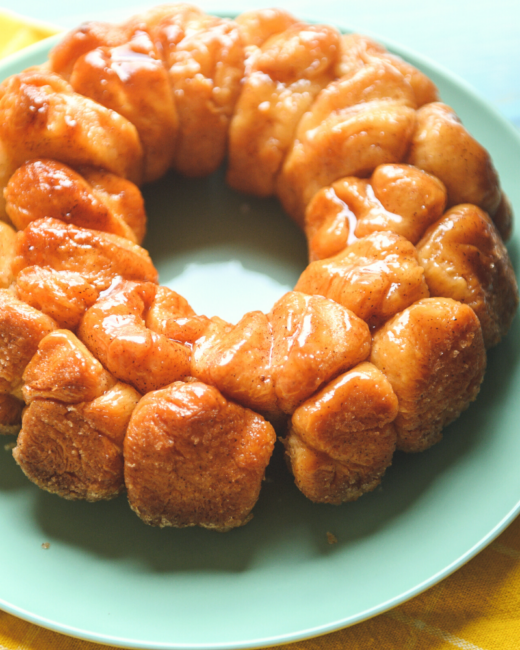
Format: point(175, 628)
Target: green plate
point(109, 578)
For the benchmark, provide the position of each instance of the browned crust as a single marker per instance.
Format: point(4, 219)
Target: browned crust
point(193, 458)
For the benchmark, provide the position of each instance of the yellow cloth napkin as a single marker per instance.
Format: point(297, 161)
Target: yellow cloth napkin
point(476, 608)
point(16, 32)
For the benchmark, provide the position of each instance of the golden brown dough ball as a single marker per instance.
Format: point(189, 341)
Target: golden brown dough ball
point(342, 439)
point(204, 57)
point(75, 450)
point(42, 117)
point(121, 197)
point(132, 80)
point(63, 295)
point(83, 39)
point(170, 314)
point(271, 363)
point(355, 124)
point(398, 198)
point(258, 25)
point(21, 329)
point(98, 257)
point(194, 459)
point(63, 369)
point(71, 442)
point(314, 340)
point(414, 195)
point(96, 199)
point(375, 277)
point(169, 23)
point(114, 330)
point(237, 360)
point(7, 253)
point(442, 146)
point(464, 258)
point(330, 222)
point(284, 76)
point(433, 355)
point(358, 50)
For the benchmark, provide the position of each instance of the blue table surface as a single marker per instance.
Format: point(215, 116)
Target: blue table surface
point(477, 40)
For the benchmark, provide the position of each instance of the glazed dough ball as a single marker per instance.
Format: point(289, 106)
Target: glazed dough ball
point(433, 355)
point(273, 362)
point(375, 277)
point(7, 253)
point(63, 369)
point(21, 329)
point(464, 258)
point(342, 439)
point(75, 450)
point(132, 80)
point(442, 146)
point(284, 76)
point(115, 331)
point(418, 198)
point(204, 57)
point(194, 459)
point(355, 124)
point(170, 314)
point(71, 442)
point(314, 340)
point(83, 39)
point(42, 117)
point(63, 295)
point(97, 199)
point(98, 257)
point(122, 199)
point(7, 167)
point(258, 25)
point(358, 50)
point(236, 359)
point(398, 198)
